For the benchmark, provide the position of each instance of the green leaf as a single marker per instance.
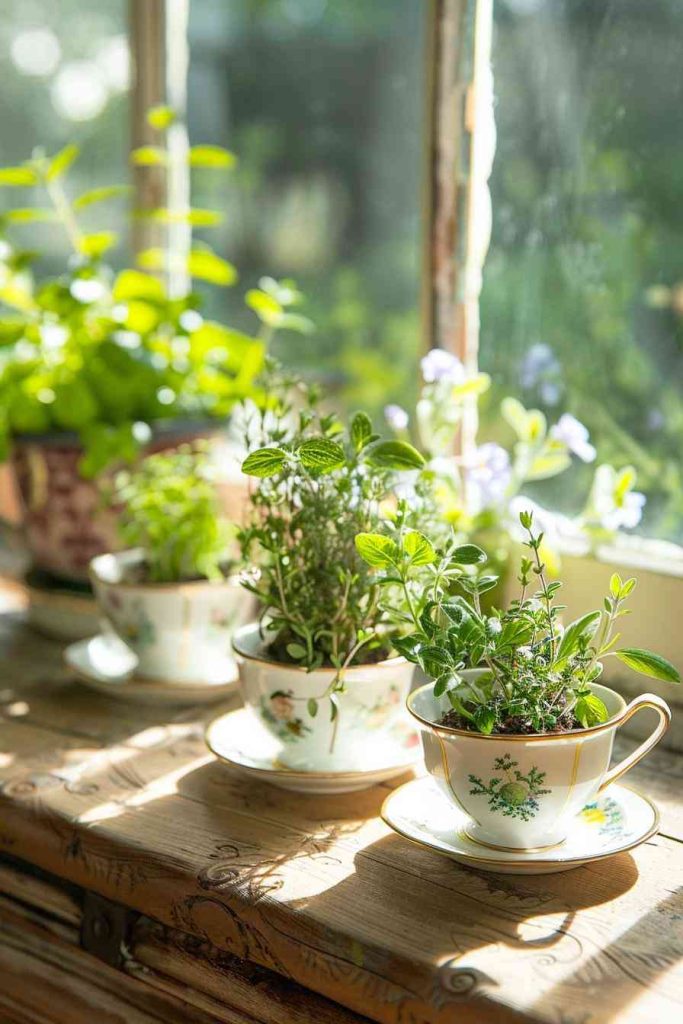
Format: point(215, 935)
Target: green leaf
point(590, 711)
point(30, 215)
point(264, 462)
point(548, 463)
point(378, 551)
point(296, 651)
point(469, 554)
point(149, 156)
point(321, 454)
point(361, 430)
point(478, 586)
point(572, 634)
point(649, 664)
point(396, 455)
point(211, 156)
point(485, 719)
point(266, 307)
point(418, 548)
point(160, 117)
point(615, 584)
point(100, 195)
point(312, 706)
point(62, 161)
point(96, 244)
point(133, 284)
point(207, 266)
point(18, 176)
point(151, 259)
point(295, 322)
point(196, 217)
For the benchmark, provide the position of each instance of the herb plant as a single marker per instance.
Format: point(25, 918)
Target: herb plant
point(170, 509)
point(319, 485)
point(538, 675)
point(105, 354)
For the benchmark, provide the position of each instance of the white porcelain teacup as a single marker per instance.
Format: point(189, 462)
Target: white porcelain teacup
point(521, 792)
point(359, 738)
point(180, 632)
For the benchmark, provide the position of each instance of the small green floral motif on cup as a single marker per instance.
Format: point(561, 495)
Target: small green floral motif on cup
point(512, 793)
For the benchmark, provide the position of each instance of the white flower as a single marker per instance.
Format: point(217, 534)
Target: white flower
point(396, 417)
point(616, 504)
point(572, 432)
point(440, 365)
point(488, 476)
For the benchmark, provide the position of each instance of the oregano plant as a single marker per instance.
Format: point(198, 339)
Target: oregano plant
point(538, 675)
point(318, 484)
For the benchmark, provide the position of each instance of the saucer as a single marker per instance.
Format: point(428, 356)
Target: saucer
point(239, 739)
point(104, 663)
point(618, 820)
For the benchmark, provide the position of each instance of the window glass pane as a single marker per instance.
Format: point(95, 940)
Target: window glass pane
point(65, 76)
point(323, 105)
point(582, 308)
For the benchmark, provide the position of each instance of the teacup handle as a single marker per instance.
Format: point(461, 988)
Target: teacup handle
point(647, 700)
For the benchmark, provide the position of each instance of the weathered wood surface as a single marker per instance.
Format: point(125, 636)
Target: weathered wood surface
point(127, 802)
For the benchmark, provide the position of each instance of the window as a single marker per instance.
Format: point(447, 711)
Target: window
point(323, 105)
point(65, 75)
point(581, 307)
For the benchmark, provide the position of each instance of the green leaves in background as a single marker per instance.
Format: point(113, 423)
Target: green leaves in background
point(215, 157)
point(161, 117)
point(18, 177)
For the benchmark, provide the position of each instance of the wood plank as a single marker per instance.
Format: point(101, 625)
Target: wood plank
point(48, 981)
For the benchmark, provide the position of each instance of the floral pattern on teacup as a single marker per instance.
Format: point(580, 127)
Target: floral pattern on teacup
point(131, 621)
point(607, 815)
point(279, 712)
point(511, 792)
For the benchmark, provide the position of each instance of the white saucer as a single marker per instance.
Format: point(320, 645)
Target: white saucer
point(618, 820)
point(240, 740)
point(106, 664)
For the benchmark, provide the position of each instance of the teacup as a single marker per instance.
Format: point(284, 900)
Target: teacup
point(522, 791)
point(180, 632)
point(358, 738)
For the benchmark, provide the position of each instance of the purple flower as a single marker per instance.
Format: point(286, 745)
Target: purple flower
point(396, 417)
point(488, 476)
point(540, 368)
point(571, 432)
point(440, 365)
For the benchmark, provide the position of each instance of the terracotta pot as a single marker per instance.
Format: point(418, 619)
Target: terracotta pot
point(64, 519)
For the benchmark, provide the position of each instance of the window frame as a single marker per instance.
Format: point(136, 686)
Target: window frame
point(457, 164)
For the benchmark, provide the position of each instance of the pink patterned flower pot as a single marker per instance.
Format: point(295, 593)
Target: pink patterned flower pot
point(65, 519)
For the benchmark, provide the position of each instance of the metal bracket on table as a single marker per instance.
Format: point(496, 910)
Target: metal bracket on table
point(105, 928)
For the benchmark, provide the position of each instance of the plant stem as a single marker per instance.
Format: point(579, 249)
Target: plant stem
point(64, 212)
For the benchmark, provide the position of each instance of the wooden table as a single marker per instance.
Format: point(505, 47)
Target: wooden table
point(237, 902)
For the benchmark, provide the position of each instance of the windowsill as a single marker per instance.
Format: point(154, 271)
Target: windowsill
point(637, 553)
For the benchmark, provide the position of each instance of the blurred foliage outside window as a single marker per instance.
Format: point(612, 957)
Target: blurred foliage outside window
point(582, 306)
point(65, 77)
point(323, 104)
